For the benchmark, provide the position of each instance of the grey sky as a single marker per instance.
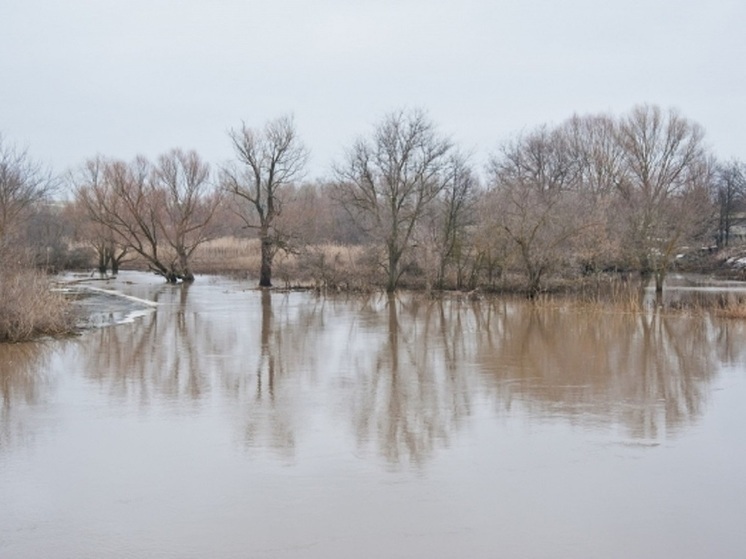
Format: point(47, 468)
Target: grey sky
point(83, 77)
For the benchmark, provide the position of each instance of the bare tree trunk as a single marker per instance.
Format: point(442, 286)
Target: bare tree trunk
point(393, 270)
point(265, 272)
point(184, 272)
point(103, 260)
point(660, 276)
point(534, 283)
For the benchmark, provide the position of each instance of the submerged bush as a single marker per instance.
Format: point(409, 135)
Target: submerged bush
point(29, 308)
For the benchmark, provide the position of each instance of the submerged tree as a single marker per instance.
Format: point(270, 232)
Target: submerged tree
point(387, 182)
point(449, 219)
point(730, 187)
point(663, 186)
point(539, 205)
point(160, 212)
point(186, 203)
point(269, 161)
point(593, 146)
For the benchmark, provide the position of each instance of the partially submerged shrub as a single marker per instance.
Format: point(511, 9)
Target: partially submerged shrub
point(731, 308)
point(29, 308)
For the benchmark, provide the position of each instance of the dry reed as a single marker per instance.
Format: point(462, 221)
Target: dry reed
point(325, 266)
point(29, 308)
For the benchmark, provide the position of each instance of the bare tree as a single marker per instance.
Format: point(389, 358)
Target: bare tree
point(490, 244)
point(186, 204)
point(449, 218)
point(269, 161)
point(730, 187)
point(109, 252)
point(161, 213)
point(664, 166)
point(597, 155)
point(388, 181)
point(23, 183)
point(540, 207)
point(120, 197)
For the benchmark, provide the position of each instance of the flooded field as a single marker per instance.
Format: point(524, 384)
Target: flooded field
point(224, 422)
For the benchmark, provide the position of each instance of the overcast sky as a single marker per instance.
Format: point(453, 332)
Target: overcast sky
point(86, 77)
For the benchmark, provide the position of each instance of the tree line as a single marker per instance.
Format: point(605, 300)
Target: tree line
point(594, 193)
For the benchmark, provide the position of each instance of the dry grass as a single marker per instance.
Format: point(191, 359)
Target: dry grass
point(738, 312)
point(325, 266)
point(731, 307)
point(606, 295)
point(29, 308)
point(227, 255)
point(627, 297)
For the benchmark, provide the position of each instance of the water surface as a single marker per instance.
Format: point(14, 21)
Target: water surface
point(228, 422)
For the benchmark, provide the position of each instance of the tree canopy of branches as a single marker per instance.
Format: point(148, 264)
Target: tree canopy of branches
point(541, 206)
point(269, 161)
point(730, 187)
point(161, 211)
point(23, 183)
point(449, 218)
point(596, 192)
point(387, 181)
point(600, 189)
point(663, 186)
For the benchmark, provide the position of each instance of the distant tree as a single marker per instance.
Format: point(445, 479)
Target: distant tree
point(730, 187)
point(449, 218)
point(108, 253)
point(47, 236)
point(593, 146)
point(310, 215)
point(539, 205)
point(269, 161)
point(387, 182)
point(23, 183)
point(492, 250)
point(661, 191)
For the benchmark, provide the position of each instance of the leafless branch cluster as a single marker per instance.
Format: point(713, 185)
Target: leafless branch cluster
point(160, 211)
point(594, 193)
point(23, 183)
point(633, 188)
point(268, 162)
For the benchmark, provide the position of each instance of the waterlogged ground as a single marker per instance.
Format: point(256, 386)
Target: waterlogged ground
point(224, 422)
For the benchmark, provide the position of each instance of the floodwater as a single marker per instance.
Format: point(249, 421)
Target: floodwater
point(218, 421)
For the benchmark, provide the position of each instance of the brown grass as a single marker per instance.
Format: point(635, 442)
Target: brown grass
point(227, 255)
point(326, 266)
point(604, 295)
point(29, 308)
point(737, 312)
point(734, 308)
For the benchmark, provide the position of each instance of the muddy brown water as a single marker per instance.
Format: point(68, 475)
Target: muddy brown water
point(226, 422)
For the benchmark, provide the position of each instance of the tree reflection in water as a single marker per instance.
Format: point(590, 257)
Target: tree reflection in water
point(410, 391)
point(646, 372)
point(190, 352)
point(404, 373)
point(160, 356)
point(25, 384)
point(273, 410)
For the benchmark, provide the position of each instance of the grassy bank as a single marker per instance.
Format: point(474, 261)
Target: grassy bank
point(29, 308)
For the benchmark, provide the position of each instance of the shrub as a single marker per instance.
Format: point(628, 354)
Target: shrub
point(29, 308)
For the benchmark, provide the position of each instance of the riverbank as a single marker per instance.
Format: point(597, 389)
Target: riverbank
point(29, 308)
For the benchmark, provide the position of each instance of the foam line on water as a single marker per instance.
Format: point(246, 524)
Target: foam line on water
point(122, 295)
